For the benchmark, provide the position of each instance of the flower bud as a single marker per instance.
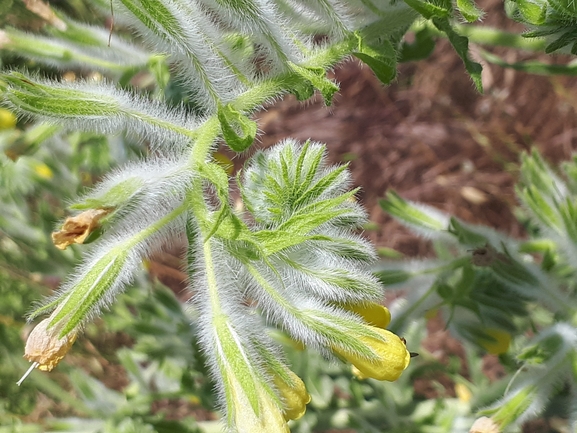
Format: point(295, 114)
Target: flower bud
point(294, 394)
point(392, 356)
point(253, 409)
point(374, 314)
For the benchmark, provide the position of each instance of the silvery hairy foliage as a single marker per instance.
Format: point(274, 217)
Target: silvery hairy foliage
point(290, 257)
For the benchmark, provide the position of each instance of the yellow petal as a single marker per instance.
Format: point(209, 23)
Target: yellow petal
point(43, 171)
point(501, 343)
point(358, 374)
point(45, 348)
point(295, 396)
point(77, 228)
point(392, 356)
point(463, 393)
point(372, 313)
point(7, 119)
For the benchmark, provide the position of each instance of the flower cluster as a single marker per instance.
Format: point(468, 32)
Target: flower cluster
point(292, 260)
point(293, 257)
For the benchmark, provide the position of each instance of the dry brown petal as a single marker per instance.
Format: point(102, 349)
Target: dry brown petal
point(484, 425)
point(77, 228)
point(45, 348)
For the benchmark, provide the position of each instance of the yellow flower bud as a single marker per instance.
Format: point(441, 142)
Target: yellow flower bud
point(358, 374)
point(372, 313)
point(294, 394)
point(501, 343)
point(392, 356)
point(45, 348)
point(7, 119)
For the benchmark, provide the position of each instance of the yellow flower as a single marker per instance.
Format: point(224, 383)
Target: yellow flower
point(294, 394)
point(392, 356)
point(43, 170)
point(7, 119)
point(374, 314)
point(500, 344)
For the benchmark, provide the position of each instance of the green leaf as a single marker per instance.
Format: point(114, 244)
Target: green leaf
point(41, 99)
point(318, 79)
point(420, 49)
point(414, 216)
point(469, 10)
point(543, 351)
point(430, 10)
point(541, 207)
point(466, 234)
point(532, 13)
point(563, 40)
point(568, 8)
point(393, 276)
point(461, 46)
point(542, 32)
point(90, 290)
point(225, 222)
point(117, 196)
point(238, 130)
point(381, 58)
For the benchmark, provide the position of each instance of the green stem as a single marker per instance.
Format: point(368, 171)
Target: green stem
point(396, 323)
point(192, 134)
point(500, 38)
point(486, 36)
point(211, 281)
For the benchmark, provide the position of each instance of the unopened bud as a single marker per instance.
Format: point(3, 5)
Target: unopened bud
point(392, 356)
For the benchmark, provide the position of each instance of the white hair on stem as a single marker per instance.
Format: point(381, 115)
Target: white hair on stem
point(191, 45)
